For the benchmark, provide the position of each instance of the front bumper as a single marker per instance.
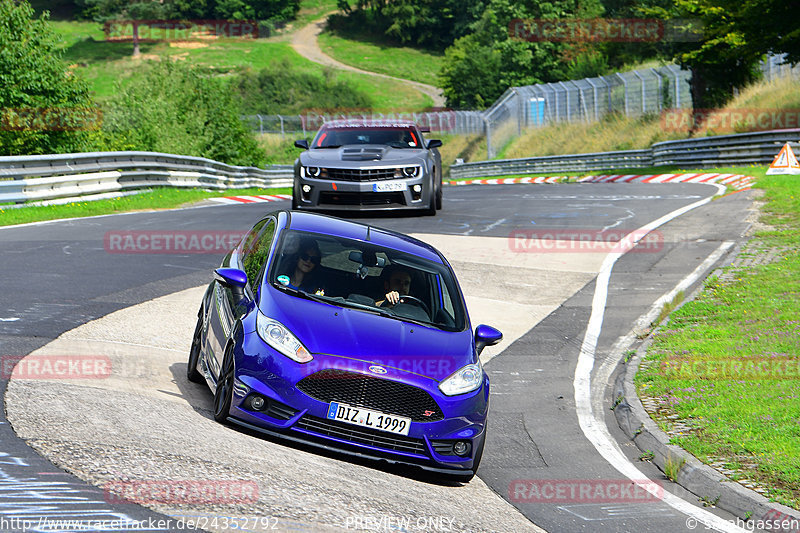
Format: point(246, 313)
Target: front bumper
point(326, 194)
point(293, 414)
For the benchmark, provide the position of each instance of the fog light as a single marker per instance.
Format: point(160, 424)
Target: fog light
point(257, 403)
point(461, 448)
point(306, 189)
point(417, 188)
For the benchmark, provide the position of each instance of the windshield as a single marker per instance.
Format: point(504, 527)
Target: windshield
point(397, 137)
point(370, 278)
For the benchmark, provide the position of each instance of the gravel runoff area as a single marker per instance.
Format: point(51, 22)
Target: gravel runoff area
point(146, 422)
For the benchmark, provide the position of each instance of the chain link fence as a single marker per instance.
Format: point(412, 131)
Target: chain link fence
point(454, 122)
point(634, 93)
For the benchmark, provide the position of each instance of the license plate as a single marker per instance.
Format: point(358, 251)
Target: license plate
point(389, 186)
point(368, 418)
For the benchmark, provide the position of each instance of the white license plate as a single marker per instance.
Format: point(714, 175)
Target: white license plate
point(389, 186)
point(368, 418)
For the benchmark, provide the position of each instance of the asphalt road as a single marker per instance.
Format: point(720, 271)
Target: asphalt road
point(60, 276)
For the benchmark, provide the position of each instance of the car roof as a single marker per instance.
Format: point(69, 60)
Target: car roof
point(328, 225)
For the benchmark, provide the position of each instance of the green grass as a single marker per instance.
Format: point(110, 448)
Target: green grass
point(746, 416)
point(103, 64)
point(161, 198)
point(368, 53)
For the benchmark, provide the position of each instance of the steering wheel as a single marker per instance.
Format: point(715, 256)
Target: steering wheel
point(416, 301)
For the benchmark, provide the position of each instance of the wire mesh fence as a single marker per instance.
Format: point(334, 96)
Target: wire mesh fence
point(634, 93)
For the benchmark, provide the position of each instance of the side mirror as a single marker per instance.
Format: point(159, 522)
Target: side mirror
point(486, 336)
point(232, 278)
point(301, 143)
point(434, 143)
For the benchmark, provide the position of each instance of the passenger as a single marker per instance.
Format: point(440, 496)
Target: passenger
point(396, 283)
point(302, 268)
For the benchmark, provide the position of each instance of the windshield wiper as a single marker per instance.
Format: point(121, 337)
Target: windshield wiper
point(301, 294)
point(330, 146)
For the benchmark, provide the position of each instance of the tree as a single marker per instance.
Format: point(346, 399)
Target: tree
point(479, 67)
point(726, 56)
point(45, 107)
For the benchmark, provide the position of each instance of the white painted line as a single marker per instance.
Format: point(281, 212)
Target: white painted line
point(12, 319)
point(591, 424)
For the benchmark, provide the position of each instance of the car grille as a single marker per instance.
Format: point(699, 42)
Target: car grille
point(371, 437)
point(371, 393)
point(364, 174)
point(361, 198)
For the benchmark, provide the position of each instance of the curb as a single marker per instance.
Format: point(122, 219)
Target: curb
point(736, 181)
point(695, 476)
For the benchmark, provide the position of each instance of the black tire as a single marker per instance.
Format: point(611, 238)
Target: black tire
point(194, 354)
point(295, 202)
point(224, 394)
point(439, 195)
point(431, 211)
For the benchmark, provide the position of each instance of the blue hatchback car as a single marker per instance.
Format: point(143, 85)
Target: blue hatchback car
point(345, 336)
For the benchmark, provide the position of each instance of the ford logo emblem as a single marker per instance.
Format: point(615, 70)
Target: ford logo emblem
point(377, 369)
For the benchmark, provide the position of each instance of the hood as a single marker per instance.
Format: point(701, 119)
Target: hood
point(363, 337)
point(375, 154)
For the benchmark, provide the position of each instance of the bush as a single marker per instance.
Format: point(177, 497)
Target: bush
point(176, 108)
point(280, 89)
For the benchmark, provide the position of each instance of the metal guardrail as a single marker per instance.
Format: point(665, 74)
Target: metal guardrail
point(47, 177)
point(718, 151)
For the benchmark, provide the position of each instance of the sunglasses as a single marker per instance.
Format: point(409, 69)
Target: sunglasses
point(313, 258)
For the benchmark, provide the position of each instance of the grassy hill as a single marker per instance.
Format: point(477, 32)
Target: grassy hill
point(103, 64)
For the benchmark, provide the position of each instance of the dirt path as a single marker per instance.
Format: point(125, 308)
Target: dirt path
point(304, 41)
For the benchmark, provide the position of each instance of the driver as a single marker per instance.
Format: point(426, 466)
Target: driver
point(396, 283)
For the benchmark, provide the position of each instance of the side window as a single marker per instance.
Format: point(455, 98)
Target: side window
point(255, 250)
point(447, 302)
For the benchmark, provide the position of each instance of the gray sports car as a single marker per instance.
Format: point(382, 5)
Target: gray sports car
point(368, 165)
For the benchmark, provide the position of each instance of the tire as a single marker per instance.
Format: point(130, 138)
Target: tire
point(431, 210)
point(224, 394)
point(439, 196)
point(194, 353)
point(295, 202)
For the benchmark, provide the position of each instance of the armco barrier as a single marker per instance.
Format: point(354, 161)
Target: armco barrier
point(46, 177)
point(704, 152)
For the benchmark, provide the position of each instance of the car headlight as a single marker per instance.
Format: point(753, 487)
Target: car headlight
point(279, 337)
point(411, 172)
point(464, 380)
point(313, 172)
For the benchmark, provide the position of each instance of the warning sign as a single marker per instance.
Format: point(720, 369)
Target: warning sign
point(785, 162)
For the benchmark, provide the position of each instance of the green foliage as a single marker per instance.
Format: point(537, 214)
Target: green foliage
point(102, 10)
point(429, 23)
point(480, 66)
point(282, 89)
point(176, 108)
point(45, 108)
